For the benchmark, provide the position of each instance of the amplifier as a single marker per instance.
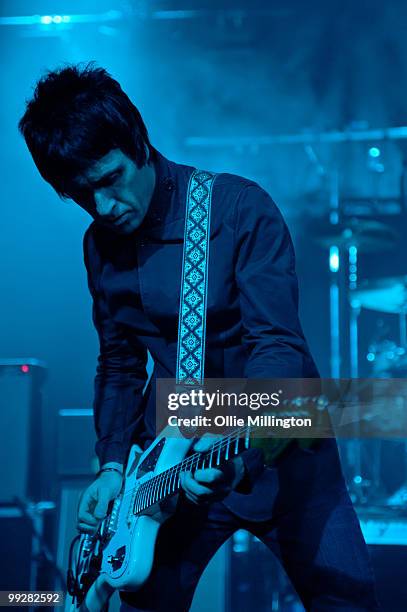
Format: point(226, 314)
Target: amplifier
point(21, 420)
point(15, 550)
point(76, 468)
point(76, 443)
point(26, 559)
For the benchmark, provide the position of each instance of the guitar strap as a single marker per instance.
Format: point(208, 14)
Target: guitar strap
point(194, 280)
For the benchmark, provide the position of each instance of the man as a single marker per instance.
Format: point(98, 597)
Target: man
point(90, 143)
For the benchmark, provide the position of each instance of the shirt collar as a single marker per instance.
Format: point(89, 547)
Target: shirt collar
point(161, 208)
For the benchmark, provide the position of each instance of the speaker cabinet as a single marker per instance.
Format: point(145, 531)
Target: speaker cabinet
point(21, 419)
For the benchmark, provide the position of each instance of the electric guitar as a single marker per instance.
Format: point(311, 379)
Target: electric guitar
point(120, 555)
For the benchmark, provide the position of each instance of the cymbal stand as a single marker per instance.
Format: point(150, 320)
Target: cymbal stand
point(334, 296)
point(354, 451)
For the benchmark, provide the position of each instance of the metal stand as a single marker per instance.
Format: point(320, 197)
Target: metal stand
point(35, 512)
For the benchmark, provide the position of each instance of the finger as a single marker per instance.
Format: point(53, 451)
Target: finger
point(87, 501)
point(204, 443)
point(204, 501)
point(86, 517)
point(102, 503)
point(209, 476)
point(85, 510)
point(85, 528)
point(193, 487)
point(192, 498)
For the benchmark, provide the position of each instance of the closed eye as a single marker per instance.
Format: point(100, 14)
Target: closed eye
point(108, 179)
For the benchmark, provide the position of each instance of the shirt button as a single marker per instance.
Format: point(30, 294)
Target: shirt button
point(168, 184)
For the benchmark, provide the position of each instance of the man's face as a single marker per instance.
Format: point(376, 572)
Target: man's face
point(115, 192)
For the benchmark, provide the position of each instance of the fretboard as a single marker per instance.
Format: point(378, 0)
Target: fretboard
point(167, 483)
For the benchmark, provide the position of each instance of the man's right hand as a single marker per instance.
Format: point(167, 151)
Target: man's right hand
point(94, 501)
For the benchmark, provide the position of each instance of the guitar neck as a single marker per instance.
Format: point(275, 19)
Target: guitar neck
point(167, 483)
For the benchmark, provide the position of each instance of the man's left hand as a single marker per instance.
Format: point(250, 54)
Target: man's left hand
point(212, 484)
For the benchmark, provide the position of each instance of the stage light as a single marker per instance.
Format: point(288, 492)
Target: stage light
point(25, 368)
point(334, 259)
point(57, 19)
point(374, 152)
point(353, 254)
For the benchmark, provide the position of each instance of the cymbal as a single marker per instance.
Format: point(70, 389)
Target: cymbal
point(384, 294)
point(367, 235)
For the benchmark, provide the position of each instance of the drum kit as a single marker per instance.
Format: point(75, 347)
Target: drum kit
point(367, 461)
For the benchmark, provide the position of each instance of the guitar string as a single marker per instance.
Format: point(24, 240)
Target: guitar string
point(147, 490)
point(144, 489)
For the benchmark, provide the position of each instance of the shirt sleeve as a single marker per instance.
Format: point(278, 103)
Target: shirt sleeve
point(268, 291)
point(120, 375)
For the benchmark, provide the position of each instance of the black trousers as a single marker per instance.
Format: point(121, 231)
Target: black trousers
point(314, 532)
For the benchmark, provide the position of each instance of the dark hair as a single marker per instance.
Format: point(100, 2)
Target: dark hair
point(76, 116)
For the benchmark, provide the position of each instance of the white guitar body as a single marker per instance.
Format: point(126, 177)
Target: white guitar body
point(124, 546)
point(121, 555)
point(129, 555)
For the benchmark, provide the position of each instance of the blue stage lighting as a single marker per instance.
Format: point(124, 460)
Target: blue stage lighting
point(57, 19)
point(334, 259)
point(374, 152)
point(353, 258)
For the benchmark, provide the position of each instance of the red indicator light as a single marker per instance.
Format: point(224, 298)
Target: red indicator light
point(25, 368)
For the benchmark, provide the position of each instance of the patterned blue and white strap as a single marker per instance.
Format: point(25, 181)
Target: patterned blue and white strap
point(194, 280)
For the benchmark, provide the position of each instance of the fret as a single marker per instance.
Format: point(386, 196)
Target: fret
point(237, 445)
point(144, 498)
point(211, 456)
point(172, 480)
point(166, 483)
point(247, 438)
point(140, 498)
point(146, 494)
point(157, 485)
point(150, 492)
point(176, 478)
point(187, 464)
point(218, 457)
point(156, 496)
point(162, 486)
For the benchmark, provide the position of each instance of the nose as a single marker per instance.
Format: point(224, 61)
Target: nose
point(104, 204)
